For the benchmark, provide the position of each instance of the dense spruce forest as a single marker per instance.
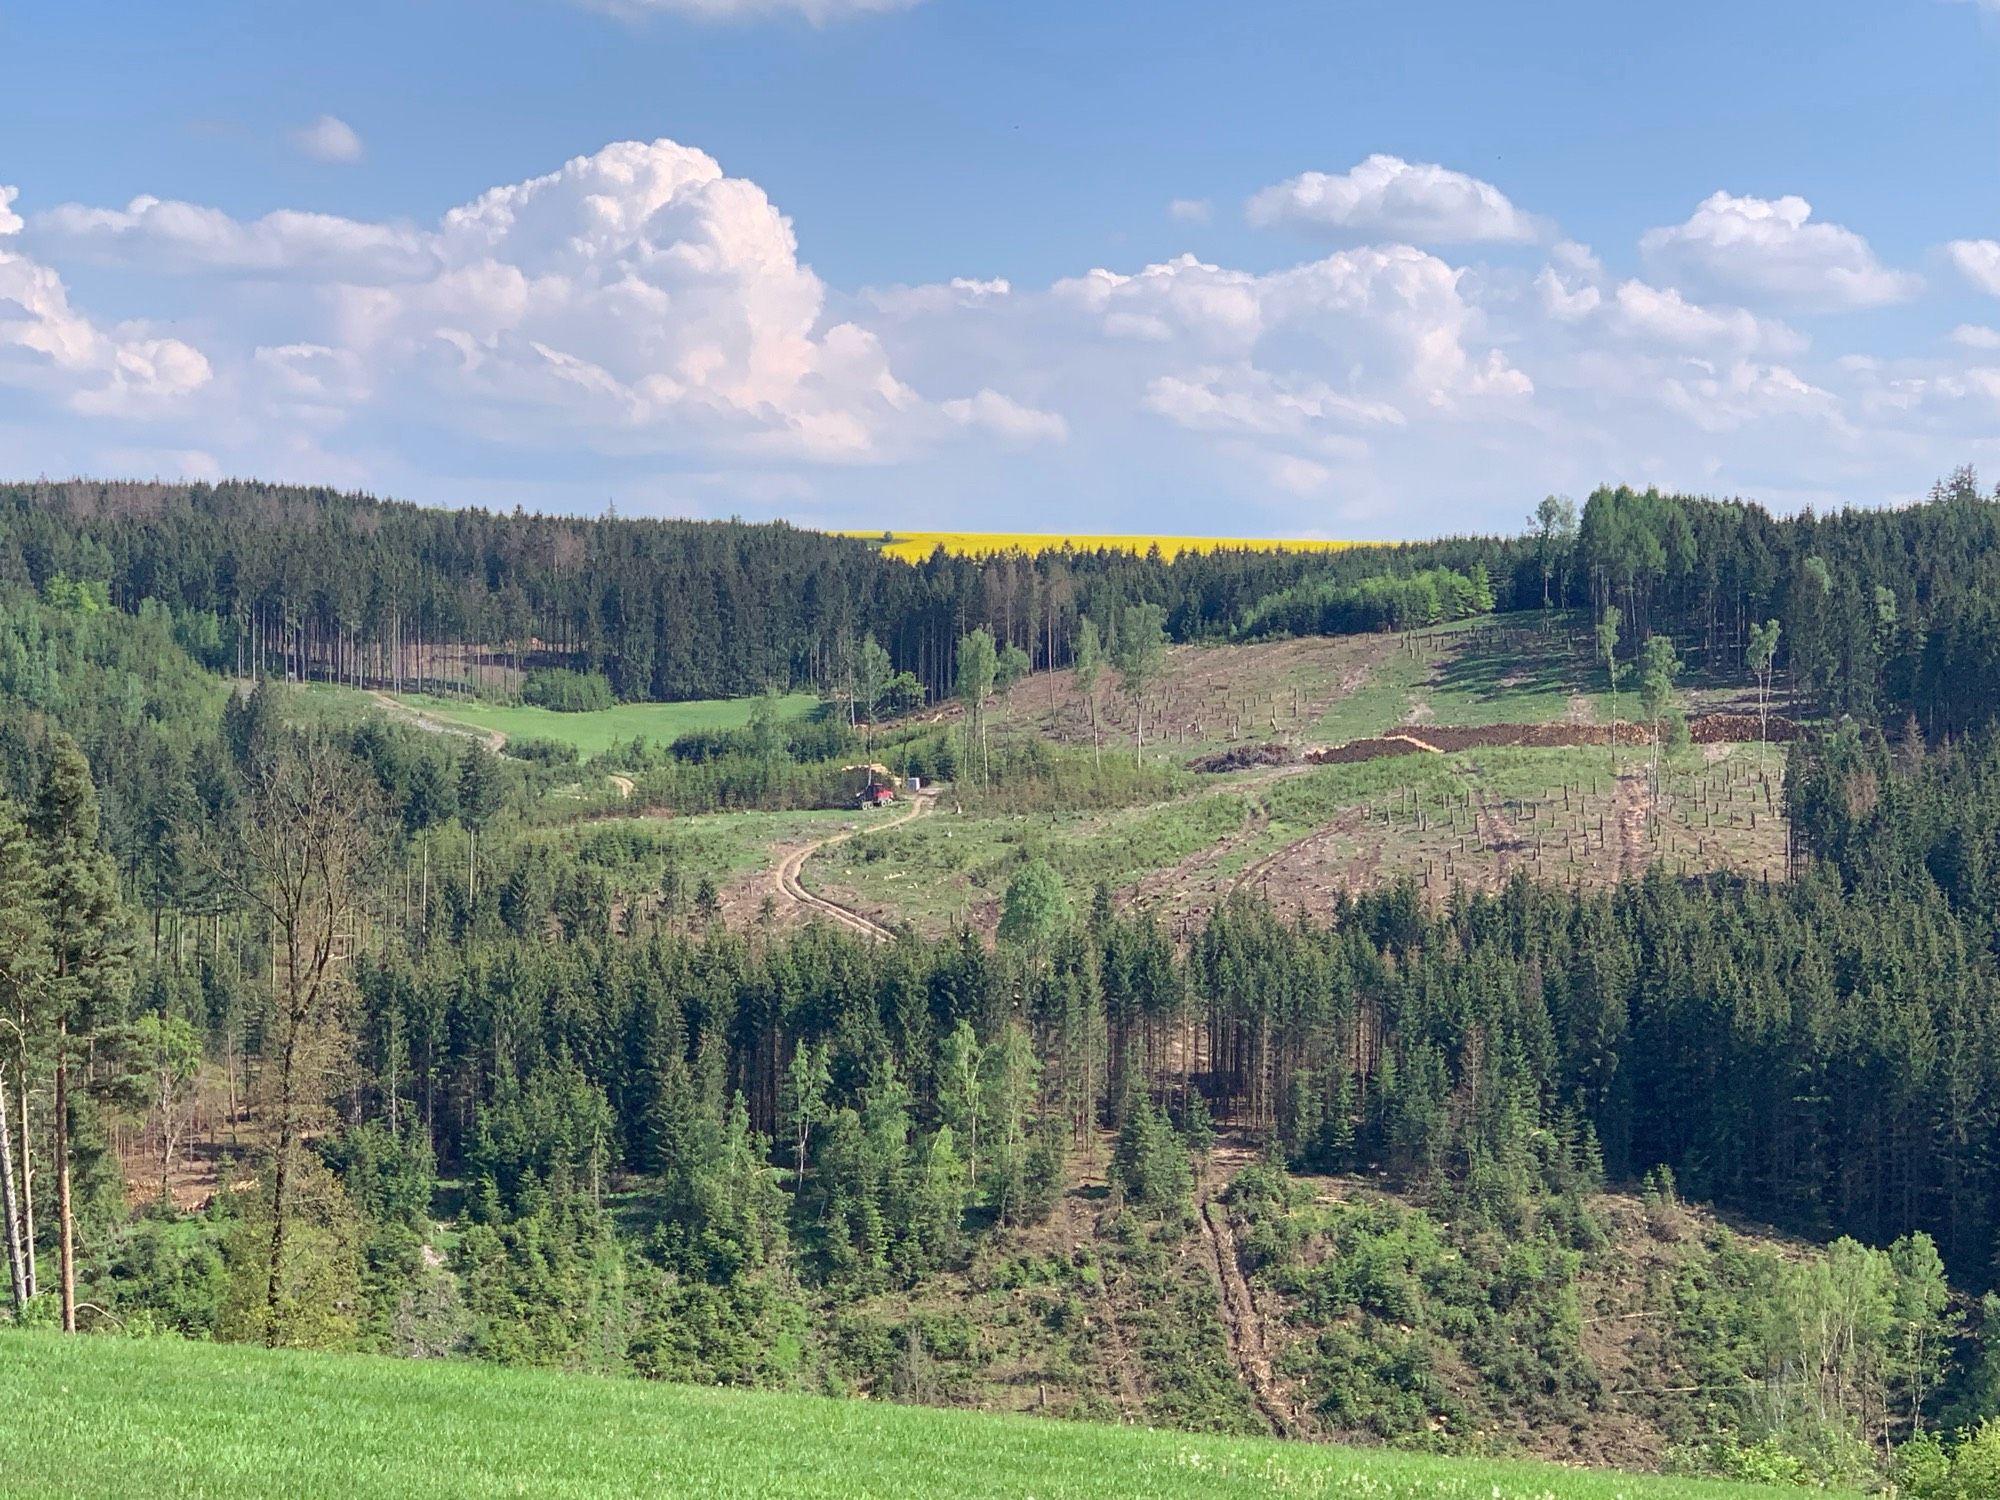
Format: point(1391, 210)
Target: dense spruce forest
point(473, 1076)
point(1884, 612)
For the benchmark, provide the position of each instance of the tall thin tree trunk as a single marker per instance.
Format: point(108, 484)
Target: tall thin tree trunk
point(27, 1183)
point(66, 1223)
point(16, 1260)
point(274, 1289)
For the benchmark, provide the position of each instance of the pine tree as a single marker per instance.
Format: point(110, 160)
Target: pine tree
point(1150, 1163)
point(86, 964)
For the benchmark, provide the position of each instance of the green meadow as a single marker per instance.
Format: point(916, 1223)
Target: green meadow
point(591, 733)
point(111, 1417)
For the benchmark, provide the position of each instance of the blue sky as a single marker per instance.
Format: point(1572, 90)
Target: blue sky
point(1362, 269)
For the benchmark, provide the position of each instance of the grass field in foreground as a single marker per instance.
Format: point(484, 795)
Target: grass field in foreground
point(602, 728)
point(110, 1417)
point(915, 546)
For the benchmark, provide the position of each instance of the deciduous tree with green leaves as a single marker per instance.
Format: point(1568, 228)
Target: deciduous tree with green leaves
point(1658, 665)
point(1140, 653)
point(978, 665)
point(1762, 654)
point(167, 1050)
point(1554, 523)
point(1035, 908)
point(1087, 665)
point(871, 677)
point(1607, 652)
point(301, 862)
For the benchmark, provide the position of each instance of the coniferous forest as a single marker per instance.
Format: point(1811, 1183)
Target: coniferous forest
point(470, 1076)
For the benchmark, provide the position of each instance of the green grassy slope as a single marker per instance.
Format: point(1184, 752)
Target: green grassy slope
point(591, 732)
point(602, 728)
point(113, 1417)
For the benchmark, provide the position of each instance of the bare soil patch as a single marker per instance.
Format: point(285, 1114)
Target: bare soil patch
point(1712, 729)
point(1209, 697)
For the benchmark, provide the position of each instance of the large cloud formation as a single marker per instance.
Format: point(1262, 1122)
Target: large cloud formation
point(638, 297)
point(638, 321)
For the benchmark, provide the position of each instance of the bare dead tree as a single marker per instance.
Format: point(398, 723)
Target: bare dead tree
point(301, 860)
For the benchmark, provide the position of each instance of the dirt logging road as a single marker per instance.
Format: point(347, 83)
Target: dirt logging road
point(1251, 1347)
point(793, 889)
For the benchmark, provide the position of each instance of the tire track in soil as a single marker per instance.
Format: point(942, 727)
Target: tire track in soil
point(1180, 885)
point(1260, 869)
point(1497, 833)
point(1635, 805)
point(790, 886)
point(1243, 1322)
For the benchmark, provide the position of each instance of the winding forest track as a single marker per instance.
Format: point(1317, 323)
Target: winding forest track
point(493, 739)
point(793, 889)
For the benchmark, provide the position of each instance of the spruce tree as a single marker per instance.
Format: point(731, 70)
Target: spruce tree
point(86, 967)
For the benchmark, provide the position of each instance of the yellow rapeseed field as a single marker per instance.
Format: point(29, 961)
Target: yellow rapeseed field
point(915, 546)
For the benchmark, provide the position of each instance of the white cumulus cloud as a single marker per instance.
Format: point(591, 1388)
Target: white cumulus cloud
point(1385, 195)
point(164, 235)
point(1007, 418)
point(329, 139)
point(46, 344)
point(1772, 248)
point(1391, 317)
point(638, 299)
point(1978, 261)
point(640, 322)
